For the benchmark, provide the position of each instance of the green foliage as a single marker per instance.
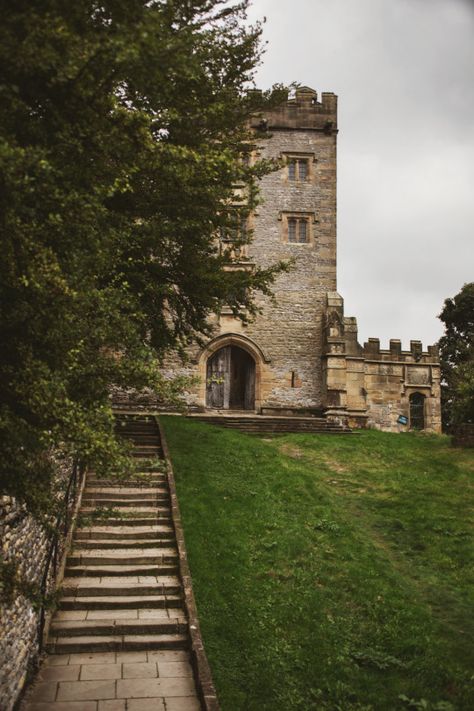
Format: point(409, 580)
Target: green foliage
point(457, 357)
point(330, 572)
point(122, 125)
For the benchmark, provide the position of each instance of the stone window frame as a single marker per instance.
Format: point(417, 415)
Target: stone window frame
point(308, 217)
point(228, 241)
point(309, 158)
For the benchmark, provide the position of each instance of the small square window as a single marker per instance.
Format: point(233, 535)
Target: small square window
point(298, 169)
point(298, 229)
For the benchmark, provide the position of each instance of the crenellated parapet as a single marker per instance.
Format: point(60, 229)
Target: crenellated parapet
point(372, 351)
point(302, 111)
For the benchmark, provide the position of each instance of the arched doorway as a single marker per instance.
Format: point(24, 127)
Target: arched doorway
point(417, 411)
point(230, 379)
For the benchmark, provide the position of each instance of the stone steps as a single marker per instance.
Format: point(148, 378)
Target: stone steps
point(120, 502)
point(87, 588)
point(110, 533)
point(115, 627)
point(125, 492)
point(120, 602)
point(117, 643)
point(121, 595)
point(127, 515)
point(98, 571)
point(122, 556)
point(133, 483)
point(264, 424)
point(125, 543)
point(125, 559)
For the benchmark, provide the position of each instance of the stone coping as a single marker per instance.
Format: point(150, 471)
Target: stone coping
point(201, 668)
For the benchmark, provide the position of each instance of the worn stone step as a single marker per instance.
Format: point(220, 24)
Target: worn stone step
point(264, 424)
point(104, 544)
point(116, 502)
point(82, 588)
point(151, 448)
point(121, 556)
point(117, 523)
point(120, 602)
point(140, 495)
point(156, 479)
point(126, 643)
point(113, 533)
point(125, 492)
point(101, 515)
point(113, 627)
point(99, 571)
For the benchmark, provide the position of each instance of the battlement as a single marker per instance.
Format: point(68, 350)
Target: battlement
point(302, 111)
point(372, 351)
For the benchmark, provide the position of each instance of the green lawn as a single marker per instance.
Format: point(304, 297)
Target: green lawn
point(330, 572)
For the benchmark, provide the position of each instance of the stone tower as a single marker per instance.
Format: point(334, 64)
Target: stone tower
point(301, 355)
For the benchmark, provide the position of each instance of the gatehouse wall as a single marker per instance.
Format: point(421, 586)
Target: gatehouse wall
point(367, 386)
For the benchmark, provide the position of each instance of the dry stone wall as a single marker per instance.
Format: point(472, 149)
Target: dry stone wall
point(24, 543)
point(25, 546)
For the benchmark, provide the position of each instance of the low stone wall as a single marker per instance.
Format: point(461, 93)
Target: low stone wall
point(26, 546)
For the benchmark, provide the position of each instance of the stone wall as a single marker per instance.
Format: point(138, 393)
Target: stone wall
point(26, 544)
point(367, 386)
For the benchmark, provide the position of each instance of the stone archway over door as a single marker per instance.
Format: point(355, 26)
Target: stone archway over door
point(230, 379)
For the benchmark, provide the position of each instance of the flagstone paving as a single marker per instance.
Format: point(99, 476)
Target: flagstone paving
point(119, 640)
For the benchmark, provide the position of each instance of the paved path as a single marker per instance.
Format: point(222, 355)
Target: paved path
point(119, 639)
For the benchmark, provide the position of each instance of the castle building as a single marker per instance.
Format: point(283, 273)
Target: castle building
point(301, 355)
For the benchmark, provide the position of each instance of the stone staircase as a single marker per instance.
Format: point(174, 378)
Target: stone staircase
point(267, 424)
point(121, 638)
point(121, 590)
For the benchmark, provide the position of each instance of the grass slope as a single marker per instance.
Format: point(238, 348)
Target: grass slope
point(330, 572)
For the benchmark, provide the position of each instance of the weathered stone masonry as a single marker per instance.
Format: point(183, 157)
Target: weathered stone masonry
point(370, 387)
point(26, 544)
point(305, 350)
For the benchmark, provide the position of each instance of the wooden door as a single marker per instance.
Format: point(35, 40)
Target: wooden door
point(249, 399)
point(218, 379)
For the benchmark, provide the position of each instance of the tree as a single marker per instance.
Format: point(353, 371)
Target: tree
point(457, 358)
point(122, 127)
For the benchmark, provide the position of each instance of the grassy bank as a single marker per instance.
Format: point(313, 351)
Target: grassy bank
point(330, 572)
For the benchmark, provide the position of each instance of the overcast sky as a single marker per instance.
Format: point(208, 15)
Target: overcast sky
point(404, 74)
